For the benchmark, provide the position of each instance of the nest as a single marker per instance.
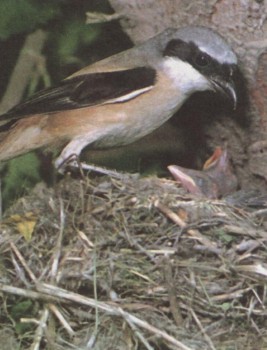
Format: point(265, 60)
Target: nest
point(105, 263)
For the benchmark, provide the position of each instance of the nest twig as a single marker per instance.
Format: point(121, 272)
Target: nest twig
point(124, 263)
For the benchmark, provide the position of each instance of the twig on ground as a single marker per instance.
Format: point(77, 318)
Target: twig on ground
point(40, 330)
point(209, 341)
point(23, 262)
point(174, 305)
point(139, 335)
point(191, 232)
point(62, 295)
point(54, 269)
point(61, 319)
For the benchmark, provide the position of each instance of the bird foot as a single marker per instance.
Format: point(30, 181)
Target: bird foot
point(61, 165)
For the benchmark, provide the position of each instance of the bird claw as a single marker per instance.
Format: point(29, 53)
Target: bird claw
point(71, 161)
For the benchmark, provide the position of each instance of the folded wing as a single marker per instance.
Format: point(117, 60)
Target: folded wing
point(86, 90)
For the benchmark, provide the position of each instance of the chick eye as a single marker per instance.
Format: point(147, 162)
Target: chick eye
point(202, 60)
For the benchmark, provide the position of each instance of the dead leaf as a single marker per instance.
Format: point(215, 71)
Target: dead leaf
point(24, 224)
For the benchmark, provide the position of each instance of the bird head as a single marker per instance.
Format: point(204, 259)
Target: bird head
point(200, 59)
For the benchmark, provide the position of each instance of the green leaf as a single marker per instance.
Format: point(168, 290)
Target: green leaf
point(226, 306)
point(22, 174)
point(224, 237)
point(18, 16)
point(21, 309)
point(74, 35)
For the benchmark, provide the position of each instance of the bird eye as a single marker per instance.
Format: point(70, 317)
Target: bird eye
point(202, 60)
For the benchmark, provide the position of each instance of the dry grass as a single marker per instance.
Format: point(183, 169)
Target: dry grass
point(132, 264)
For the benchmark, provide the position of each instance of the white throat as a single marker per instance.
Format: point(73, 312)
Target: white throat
point(185, 77)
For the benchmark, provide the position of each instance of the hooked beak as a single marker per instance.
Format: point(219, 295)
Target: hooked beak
point(226, 88)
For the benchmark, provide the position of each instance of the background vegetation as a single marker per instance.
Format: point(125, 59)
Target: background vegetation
point(70, 45)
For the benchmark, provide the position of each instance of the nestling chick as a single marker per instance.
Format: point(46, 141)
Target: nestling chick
point(214, 181)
